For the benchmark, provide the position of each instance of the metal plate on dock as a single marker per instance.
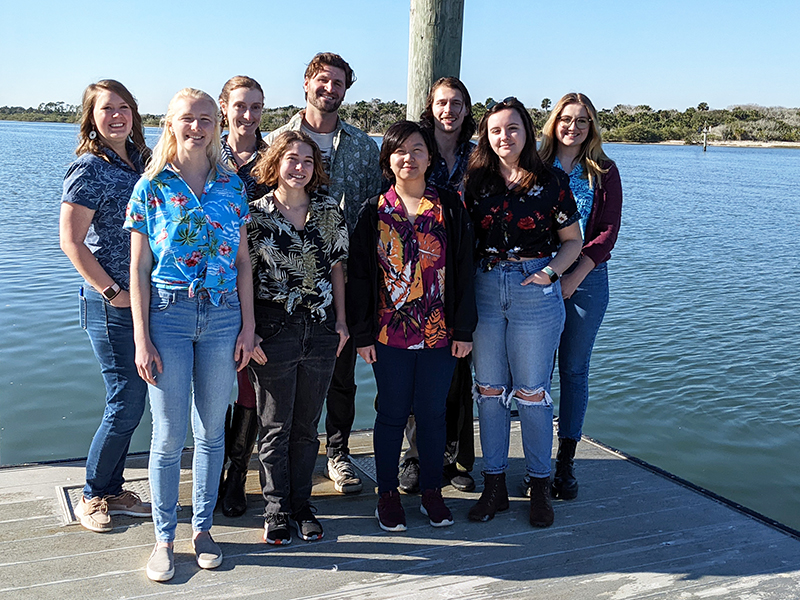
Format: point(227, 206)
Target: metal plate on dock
point(70, 495)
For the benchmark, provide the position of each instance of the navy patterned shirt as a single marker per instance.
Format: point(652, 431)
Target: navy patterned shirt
point(105, 187)
point(452, 180)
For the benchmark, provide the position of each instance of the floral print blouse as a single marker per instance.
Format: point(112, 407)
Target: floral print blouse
point(194, 240)
point(293, 267)
point(411, 259)
point(513, 225)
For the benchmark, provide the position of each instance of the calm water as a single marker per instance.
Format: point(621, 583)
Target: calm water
point(695, 369)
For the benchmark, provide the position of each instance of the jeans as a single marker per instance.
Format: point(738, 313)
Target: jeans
point(406, 380)
point(585, 311)
point(290, 391)
point(514, 348)
point(341, 402)
point(110, 331)
point(196, 341)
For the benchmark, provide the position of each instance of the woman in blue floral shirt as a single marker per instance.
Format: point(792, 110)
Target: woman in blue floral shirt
point(97, 186)
point(191, 298)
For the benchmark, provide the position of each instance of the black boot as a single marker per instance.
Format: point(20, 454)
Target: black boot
point(541, 513)
point(565, 486)
point(239, 444)
point(494, 498)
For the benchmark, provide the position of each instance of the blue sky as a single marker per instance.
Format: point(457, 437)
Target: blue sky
point(664, 53)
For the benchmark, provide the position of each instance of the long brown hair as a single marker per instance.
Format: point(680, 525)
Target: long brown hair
point(468, 124)
point(87, 125)
point(267, 167)
point(483, 172)
point(591, 156)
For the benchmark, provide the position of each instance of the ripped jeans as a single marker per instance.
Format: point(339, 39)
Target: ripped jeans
point(518, 331)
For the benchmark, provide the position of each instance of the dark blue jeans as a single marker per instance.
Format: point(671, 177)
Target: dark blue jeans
point(406, 380)
point(290, 391)
point(110, 331)
point(585, 311)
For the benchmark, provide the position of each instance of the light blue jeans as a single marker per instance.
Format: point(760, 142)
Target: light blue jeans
point(585, 311)
point(196, 341)
point(514, 347)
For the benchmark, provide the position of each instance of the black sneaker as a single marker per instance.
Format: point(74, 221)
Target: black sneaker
point(461, 480)
point(306, 523)
point(408, 478)
point(276, 529)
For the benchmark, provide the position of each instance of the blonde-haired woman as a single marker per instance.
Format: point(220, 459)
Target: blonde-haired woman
point(111, 157)
point(571, 141)
point(192, 304)
point(241, 103)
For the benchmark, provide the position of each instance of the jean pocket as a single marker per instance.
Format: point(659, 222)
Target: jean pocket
point(82, 309)
point(161, 300)
point(231, 301)
point(267, 329)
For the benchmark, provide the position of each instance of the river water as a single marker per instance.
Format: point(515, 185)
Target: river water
point(696, 368)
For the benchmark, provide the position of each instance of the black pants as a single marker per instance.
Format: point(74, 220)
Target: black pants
point(459, 417)
point(341, 403)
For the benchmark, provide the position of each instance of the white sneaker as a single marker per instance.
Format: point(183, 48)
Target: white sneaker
point(341, 471)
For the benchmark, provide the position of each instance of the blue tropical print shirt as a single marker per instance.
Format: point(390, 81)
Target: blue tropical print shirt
point(581, 190)
point(105, 186)
point(194, 241)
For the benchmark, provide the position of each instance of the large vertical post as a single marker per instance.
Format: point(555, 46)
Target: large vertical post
point(434, 48)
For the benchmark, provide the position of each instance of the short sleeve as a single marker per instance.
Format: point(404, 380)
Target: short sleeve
point(80, 184)
point(136, 213)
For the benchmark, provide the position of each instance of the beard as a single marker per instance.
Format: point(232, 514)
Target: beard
point(323, 104)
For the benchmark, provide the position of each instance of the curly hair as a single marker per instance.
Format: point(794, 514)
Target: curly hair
point(267, 167)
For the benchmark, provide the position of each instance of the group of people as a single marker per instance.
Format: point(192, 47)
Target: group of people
point(283, 258)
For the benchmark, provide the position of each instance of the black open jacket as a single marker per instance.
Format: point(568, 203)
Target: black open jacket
point(364, 276)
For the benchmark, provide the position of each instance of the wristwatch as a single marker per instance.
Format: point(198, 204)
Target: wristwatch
point(551, 274)
point(112, 291)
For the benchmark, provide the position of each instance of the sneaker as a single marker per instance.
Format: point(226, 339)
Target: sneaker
point(461, 480)
point(409, 476)
point(341, 471)
point(206, 551)
point(276, 529)
point(434, 508)
point(307, 525)
point(390, 513)
point(127, 503)
point(94, 514)
point(161, 565)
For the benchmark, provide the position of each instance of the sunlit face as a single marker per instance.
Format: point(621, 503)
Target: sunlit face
point(325, 91)
point(297, 166)
point(193, 124)
point(572, 135)
point(448, 109)
point(506, 134)
point(243, 110)
point(411, 159)
point(112, 117)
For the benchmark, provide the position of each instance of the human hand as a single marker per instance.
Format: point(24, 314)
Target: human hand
point(344, 335)
point(461, 349)
point(121, 300)
point(243, 350)
point(259, 355)
point(368, 354)
point(539, 278)
point(148, 362)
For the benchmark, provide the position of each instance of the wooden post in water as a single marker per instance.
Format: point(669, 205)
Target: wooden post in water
point(705, 137)
point(434, 48)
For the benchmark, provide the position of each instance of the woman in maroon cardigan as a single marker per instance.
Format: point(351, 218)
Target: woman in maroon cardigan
point(571, 141)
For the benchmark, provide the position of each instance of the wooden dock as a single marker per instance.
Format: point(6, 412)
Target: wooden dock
point(632, 533)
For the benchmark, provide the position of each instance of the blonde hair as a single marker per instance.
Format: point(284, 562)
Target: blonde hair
point(591, 156)
point(87, 125)
point(167, 146)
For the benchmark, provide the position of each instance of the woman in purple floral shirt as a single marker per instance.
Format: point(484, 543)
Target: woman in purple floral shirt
point(523, 214)
point(192, 305)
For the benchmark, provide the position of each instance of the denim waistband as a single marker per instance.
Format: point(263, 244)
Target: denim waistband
point(526, 264)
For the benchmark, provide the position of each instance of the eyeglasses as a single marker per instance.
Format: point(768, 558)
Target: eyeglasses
point(580, 122)
point(503, 103)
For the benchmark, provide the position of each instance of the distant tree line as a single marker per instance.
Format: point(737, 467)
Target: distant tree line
point(623, 123)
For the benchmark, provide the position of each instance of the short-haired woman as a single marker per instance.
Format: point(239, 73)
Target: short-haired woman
point(523, 213)
point(571, 141)
point(411, 310)
point(192, 304)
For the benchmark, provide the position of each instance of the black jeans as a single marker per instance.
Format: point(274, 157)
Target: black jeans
point(460, 430)
point(290, 390)
point(341, 403)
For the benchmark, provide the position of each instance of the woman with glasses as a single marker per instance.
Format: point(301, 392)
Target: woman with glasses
point(571, 141)
point(527, 235)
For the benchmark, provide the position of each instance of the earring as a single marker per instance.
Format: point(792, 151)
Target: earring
point(92, 135)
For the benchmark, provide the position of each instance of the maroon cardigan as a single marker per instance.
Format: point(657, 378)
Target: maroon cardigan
point(604, 220)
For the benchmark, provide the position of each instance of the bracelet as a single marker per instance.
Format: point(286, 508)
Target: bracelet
point(551, 274)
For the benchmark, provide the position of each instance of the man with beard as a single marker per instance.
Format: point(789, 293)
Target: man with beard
point(351, 162)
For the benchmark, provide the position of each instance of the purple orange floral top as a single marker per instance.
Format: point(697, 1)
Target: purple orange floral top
point(194, 241)
point(411, 259)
